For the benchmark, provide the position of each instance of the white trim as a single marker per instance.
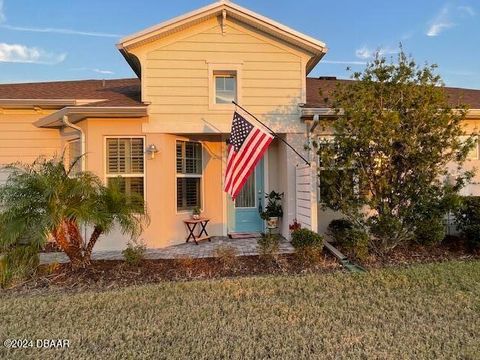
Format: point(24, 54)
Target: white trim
point(105, 174)
point(232, 10)
point(224, 152)
point(227, 67)
point(196, 176)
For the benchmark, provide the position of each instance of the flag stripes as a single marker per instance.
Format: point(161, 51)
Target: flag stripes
point(247, 146)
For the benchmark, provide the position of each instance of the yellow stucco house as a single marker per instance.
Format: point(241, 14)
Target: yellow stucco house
point(165, 132)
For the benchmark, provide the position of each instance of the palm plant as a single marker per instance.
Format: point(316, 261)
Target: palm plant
point(45, 200)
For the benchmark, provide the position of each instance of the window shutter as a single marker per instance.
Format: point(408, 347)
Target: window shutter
point(136, 156)
point(193, 192)
point(179, 157)
point(125, 156)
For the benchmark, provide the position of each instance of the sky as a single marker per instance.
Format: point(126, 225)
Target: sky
point(75, 39)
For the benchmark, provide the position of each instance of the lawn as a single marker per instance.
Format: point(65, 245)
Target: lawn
point(425, 311)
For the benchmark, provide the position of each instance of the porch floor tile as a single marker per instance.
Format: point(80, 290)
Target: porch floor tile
point(205, 249)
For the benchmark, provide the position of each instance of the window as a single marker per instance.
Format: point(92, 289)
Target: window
point(189, 175)
point(125, 164)
point(225, 86)
point(474, 152)
point(72, 154)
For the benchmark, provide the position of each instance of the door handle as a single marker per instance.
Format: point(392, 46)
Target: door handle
point(260, 207)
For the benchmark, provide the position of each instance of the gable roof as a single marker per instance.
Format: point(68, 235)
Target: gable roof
point(456, 96)
point(99, 93)
point(225, 9)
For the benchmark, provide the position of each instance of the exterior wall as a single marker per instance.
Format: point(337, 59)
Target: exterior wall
point(21, 141)
point(325, 216)
point(176, 78)
point(166, 225)
point(472, 126)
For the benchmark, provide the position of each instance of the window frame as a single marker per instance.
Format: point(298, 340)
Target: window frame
point(218, 68)
point(225, 75)
point(463, 138)
point(327, 139)
point(196, 176)
point(69, 161)
point(126, 175)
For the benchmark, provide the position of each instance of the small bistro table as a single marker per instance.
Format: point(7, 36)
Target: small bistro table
point(192, 224)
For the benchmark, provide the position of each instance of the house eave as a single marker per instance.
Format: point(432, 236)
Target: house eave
point(309, 113)
point(316, 48)
point(45, 103)
point(78, 113)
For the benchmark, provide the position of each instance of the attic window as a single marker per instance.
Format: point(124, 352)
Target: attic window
point(225, 86)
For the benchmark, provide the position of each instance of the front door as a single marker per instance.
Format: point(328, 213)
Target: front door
point(249, 201)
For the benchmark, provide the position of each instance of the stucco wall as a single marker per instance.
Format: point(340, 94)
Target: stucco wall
point(166, 227)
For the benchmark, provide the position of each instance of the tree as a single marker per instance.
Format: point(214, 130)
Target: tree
point(45, 200)
point(394, 134)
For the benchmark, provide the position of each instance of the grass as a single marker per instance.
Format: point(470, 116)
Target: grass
point(426, 311)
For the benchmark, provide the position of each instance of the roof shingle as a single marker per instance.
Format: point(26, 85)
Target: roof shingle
point(456, 96)
point(118, 92)
point(126, 92)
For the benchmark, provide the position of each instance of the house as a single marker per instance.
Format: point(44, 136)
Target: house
point(164, 133)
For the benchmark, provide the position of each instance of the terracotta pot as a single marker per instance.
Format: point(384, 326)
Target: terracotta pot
point(272, 222)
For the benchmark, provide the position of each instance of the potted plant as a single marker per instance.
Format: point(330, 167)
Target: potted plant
point(294, 226)
point(273, 210)
point(196, 213)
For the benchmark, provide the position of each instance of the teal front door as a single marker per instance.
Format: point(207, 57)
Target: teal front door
point(249, 201)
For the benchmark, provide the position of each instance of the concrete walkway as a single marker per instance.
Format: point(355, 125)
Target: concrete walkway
point(204, 249)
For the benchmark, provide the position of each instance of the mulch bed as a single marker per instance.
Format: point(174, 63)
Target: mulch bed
point(452, 248)
point(108, 274)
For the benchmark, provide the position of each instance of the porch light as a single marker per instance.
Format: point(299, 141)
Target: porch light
point(152, 150)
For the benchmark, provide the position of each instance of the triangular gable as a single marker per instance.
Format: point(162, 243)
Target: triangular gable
point(224, 9)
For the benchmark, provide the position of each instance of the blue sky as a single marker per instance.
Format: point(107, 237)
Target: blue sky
point(63, 40)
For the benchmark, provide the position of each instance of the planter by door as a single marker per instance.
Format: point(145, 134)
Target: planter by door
point(248, 202)
point(272, 222)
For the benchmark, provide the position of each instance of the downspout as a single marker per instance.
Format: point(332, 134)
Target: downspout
point(67, 123)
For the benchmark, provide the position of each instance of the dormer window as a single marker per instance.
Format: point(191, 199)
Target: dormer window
point(225, 86)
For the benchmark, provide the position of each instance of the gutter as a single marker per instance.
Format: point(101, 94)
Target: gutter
point(315, 113)
point(78, 113)
point(82, 138)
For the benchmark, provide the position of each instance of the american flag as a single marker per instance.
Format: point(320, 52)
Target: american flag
point(247, 145)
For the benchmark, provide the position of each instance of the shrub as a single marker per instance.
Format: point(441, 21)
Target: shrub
point(268, 245)
point(337, 229)
point(467, 219)
point(430, 231)
point(302, 238)
point(352, 238)
point(226, 255)
point(308, 245)
point(134, 253)
point(17, 264)
point(387, 232)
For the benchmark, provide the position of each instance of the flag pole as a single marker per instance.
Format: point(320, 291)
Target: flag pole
point(273, 133)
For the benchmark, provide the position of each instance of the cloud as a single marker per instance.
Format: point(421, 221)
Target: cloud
point(96, 70)
point(367, 53)
point(60, 31)
point(466, 10)
point(448, 18)
point(345, 62)
point(440, 22)
point(17, 53)
point(100, 71)
point(2, 12)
